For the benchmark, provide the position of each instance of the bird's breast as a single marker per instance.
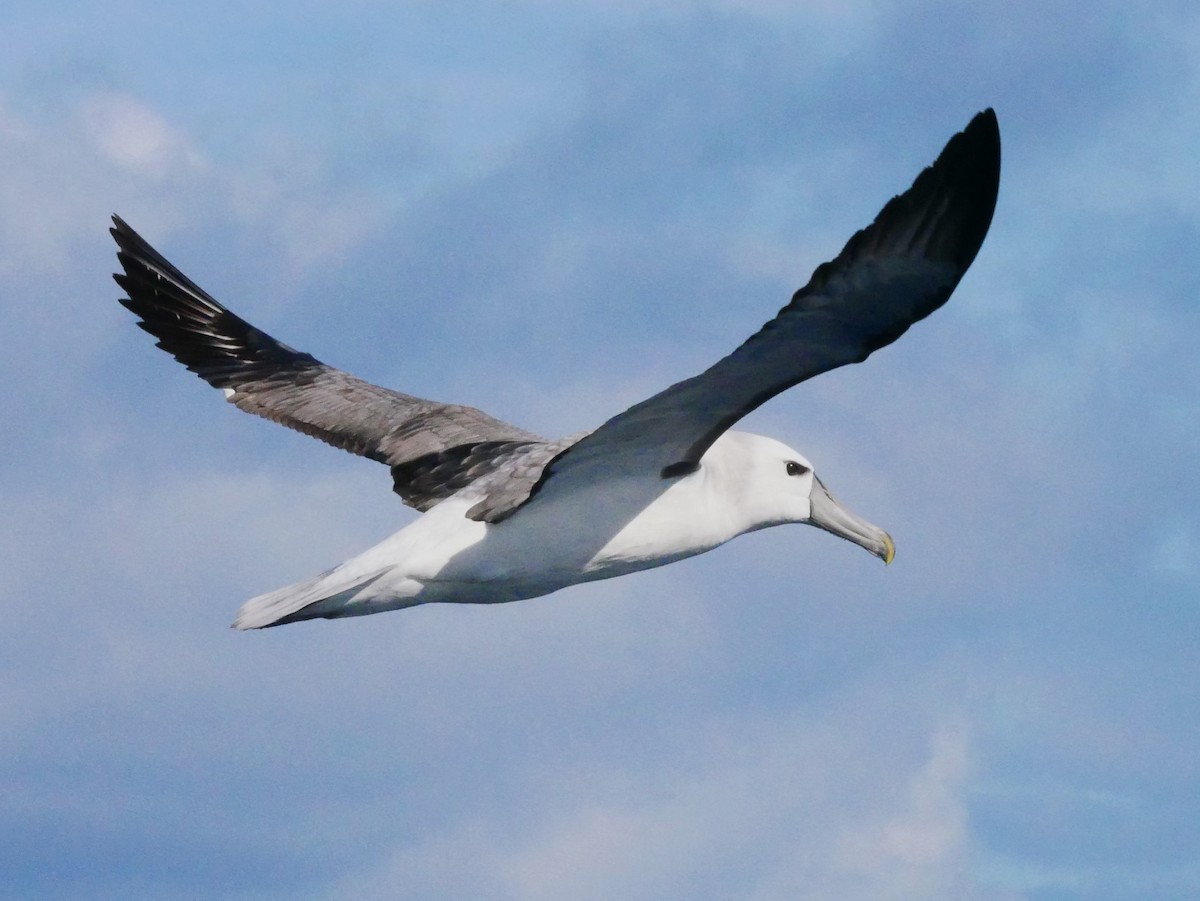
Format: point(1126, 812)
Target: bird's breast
point(603, 530)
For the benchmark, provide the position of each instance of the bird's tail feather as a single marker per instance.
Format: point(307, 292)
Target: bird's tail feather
point(327, 595)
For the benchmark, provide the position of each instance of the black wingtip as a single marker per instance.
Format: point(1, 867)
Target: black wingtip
point(946, 213)
point(972, 163)
point(120, 229)
point(133, 244)
point(981, 141)
point(190, 325)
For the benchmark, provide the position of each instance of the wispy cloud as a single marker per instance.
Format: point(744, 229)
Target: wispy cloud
point(774, 809)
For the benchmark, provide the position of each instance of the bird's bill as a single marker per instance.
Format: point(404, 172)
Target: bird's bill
point(831, 516)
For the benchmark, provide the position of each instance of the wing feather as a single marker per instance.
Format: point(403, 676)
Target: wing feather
point(422, 440)
point(891, 274)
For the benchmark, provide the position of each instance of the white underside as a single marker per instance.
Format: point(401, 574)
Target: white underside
point(583, 525)
point(556, 540)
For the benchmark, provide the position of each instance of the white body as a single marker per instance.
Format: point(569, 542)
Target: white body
point(571, 531)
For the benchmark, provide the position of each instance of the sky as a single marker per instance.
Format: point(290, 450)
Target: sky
point(551, 211)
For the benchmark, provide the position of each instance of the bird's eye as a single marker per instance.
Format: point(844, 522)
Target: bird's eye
point(797, 469)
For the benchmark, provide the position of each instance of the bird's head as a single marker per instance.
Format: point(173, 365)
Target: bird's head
point(778, 485)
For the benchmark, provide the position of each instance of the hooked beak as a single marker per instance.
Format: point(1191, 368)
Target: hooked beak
point(831, 516)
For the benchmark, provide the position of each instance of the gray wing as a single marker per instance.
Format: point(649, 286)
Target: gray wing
point(433, 448)
point(891, 274)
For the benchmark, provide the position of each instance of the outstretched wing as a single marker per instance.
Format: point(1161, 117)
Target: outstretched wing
point(891, 274)
point(433, 448)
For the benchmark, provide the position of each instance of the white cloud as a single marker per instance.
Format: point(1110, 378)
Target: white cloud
point(67, 171)
point(922, 846)
point(131, 135)
point(800, 805)
point(113, 151)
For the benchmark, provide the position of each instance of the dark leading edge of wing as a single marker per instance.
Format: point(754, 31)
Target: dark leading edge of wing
point(433, 448)
point(891, 274)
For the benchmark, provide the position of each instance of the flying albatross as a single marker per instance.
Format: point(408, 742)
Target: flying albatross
point(509, 515)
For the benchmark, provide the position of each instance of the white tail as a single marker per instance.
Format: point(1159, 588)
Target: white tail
point(328, 596)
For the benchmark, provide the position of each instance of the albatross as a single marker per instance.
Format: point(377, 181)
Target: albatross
point(509, 515)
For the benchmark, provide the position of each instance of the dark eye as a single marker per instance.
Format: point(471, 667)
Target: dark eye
point(797, 469)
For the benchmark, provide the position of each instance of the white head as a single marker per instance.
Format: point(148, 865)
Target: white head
point(771, 484)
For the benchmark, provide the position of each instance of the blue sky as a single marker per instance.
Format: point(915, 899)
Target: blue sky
point(550, 211)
